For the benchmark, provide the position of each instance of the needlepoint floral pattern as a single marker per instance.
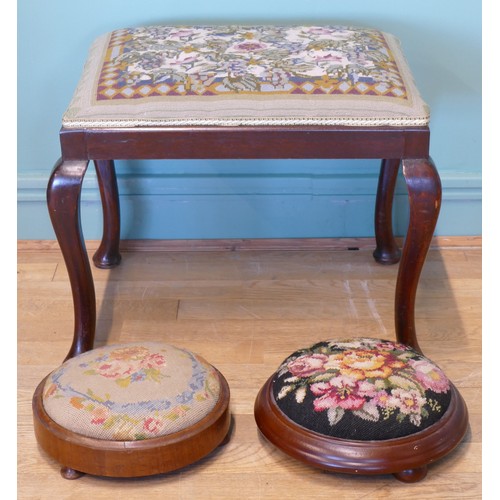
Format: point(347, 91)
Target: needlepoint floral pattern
point(158, 61)
point(361, 388)
point(131, 392)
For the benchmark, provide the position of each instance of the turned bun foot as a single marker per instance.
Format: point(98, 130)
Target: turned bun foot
point(69, 473)
point(411, 475)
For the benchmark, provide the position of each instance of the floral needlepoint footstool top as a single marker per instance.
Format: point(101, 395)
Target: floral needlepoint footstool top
point(361, 389)
point(246, 75)
point(132, 391)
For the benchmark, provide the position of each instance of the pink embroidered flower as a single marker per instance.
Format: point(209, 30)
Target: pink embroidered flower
point(306, 365)
point(129, 362)
point(367, 389)
point(382, 399)
point(250, 46)
point(407, 401)
point(177, 412)
point(152, 425)
point(332, 56)
point(180, 33)
point(430, 376)
point(116, 369)
point(391, 346)
point(99, 415)
point(153, 361)
point(338, 392)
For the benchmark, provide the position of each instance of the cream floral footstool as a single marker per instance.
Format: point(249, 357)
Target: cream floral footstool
point(132, 409)
point(223, 92)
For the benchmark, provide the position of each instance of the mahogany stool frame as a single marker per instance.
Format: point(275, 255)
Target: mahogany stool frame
point(408, 146)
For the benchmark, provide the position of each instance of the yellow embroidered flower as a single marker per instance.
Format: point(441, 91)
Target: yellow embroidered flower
point(362, 364)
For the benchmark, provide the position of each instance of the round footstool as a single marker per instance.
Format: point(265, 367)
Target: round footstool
point(362, 406)
point(131, 410)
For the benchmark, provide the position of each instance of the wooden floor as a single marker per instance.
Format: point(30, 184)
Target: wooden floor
point(245, 311)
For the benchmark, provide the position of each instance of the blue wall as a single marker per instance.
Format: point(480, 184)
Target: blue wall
point(243, 199)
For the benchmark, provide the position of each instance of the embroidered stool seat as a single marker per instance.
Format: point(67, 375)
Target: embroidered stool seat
point(246, 75)
point(136, 402)
point(362, 405)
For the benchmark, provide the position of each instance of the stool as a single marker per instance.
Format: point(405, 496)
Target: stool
point(247, 92)
point(362, 406)
point(133, 409)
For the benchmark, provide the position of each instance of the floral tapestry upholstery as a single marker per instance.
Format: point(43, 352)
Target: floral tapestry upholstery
point(246, 75)
point(133, 391)
point(361, 389)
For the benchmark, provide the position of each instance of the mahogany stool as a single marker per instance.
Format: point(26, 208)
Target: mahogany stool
point(261, 92)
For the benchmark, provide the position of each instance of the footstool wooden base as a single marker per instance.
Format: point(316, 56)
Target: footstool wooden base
point(406, 458)
point(99, 457)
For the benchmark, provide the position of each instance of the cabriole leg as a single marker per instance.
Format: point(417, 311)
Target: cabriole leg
point(424, 191)
point(108, 253)
point(387, 251)
point(63, 200)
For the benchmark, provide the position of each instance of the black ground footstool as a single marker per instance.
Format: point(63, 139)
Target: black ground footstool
point(362, 405)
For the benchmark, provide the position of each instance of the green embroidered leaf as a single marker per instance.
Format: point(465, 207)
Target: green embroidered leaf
point(368, 412)
point(89, 372)
point(285, 390)
point(300, 394)
point(400, 417)
point(200, 397)
point(406, 355)
point(282, 370)
point(95, 397)
point(403, 382)
point(322, 350)
point(322, 376)
point(335, 415)
point(123, 382)
point(109, 422)
point(153, 374)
